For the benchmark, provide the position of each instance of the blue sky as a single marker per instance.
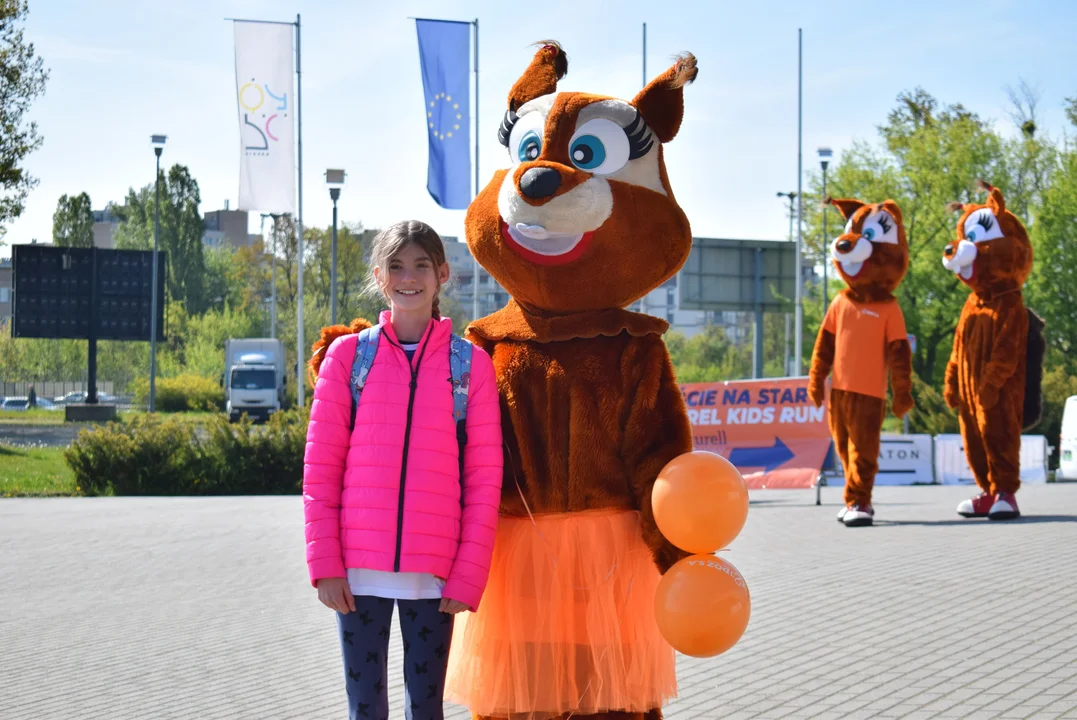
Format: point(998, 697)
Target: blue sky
point(124, 69)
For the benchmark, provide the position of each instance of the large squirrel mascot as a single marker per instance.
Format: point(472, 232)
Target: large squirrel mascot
point(993, 377)
point(582, 224)
point(862, 338)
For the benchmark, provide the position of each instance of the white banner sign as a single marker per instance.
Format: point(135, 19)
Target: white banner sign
point(903, 460)
point(264, 72)
point(952, 468)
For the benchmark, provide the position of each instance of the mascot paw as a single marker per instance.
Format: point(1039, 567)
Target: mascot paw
point(902, 404)
point(817, 393)
point(951, 397)
point(988, 396)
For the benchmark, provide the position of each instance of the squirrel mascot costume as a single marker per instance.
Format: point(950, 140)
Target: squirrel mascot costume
point(582, 224)
point(862, 337)
point(993, 377)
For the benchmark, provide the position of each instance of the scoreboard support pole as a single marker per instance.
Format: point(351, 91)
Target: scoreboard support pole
point(91, 388)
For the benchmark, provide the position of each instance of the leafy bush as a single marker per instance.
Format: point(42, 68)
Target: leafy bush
point(182, 394)
point(145, 456)
point(151, 456)
point(931, 415)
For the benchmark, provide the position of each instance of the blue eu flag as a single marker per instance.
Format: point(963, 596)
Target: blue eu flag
point(443, 54)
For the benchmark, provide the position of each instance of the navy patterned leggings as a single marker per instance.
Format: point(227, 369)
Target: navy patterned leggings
point(364, 640)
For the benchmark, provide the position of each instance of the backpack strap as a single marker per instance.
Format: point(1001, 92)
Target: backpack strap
point(365, 350)
point(460, 367)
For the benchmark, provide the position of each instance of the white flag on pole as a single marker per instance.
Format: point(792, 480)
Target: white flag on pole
point(264, 72)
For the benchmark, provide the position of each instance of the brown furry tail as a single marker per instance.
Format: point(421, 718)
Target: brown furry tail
point(321, 345)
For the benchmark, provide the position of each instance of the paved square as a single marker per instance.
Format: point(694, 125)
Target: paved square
point(199, 608)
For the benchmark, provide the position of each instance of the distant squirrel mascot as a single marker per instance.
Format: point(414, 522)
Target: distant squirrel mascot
point(994, 375)
point(863, 339)
point(582, 224)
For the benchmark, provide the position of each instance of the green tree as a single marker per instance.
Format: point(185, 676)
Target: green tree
point(180, 233)
point(22, 78)
point(709, 356)
point(929, 155)
point(182, 230)
point(1053, 284)
point(136, 220)
point(72, 223)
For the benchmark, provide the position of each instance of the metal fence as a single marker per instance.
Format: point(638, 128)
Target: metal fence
point(52, 389)
point(49, 388)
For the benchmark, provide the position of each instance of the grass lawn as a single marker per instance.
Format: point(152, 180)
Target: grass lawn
point(32, 417)
point(56, 417)
point(34, 472)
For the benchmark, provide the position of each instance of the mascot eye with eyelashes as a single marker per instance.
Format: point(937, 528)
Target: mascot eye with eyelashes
point(982, 226)
point(879, 228)
point(600, 146)
point(524, 137)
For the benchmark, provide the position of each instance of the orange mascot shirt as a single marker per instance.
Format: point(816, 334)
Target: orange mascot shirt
point(861, 333)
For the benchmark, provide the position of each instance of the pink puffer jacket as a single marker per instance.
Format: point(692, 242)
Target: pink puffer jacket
point(386, 495)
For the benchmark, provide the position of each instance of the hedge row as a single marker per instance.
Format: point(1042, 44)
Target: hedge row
point(151, 456)
point(182, 393)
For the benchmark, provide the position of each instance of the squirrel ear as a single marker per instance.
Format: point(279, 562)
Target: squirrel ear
point(549, 65)
point(892, 207)
point(995, 201)
point(955, 206)
point(661, 103)
point(846, 206)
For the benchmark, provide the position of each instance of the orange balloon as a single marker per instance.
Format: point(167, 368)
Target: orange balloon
point(700, 502)
point(702, 606)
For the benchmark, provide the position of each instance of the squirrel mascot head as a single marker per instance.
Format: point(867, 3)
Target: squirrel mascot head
point(584, 219)
point(991, 252)
point(871, 254)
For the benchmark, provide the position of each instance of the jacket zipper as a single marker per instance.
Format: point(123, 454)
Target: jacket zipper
point(404, 460)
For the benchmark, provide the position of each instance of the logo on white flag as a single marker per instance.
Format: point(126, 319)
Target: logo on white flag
point(261, 106)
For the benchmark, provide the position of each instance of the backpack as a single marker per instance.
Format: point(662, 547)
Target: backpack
point(1035, 349)
point(459, 366)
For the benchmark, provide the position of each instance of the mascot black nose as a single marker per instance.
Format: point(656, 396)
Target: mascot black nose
point(949, 251)
point(540, 182)
point(844, 246)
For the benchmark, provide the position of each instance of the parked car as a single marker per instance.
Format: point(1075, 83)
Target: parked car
point(15, 404)
point(80, 397)
point(23, 403)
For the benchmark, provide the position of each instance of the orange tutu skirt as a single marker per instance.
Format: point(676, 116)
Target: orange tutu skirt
point(566, 623)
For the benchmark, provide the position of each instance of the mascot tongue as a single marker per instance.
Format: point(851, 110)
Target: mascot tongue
point(541, 246)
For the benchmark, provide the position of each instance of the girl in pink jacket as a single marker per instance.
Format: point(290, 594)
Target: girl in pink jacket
point(394, 514)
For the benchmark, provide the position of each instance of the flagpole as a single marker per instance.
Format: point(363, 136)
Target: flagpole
point(799, 312)
point(300, 354)
point(644, 54)
point(474, 260)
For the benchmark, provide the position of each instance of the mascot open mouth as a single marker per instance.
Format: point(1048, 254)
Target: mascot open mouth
point(542, 247)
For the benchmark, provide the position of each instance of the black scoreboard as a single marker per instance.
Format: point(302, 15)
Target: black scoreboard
point(85, 293)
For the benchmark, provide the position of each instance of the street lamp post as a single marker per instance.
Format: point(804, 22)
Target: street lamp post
point(824, 160)
point(158, 142)
point(792, 195)
point(335, 180)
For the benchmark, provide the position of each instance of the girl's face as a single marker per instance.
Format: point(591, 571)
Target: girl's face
point(413, 280)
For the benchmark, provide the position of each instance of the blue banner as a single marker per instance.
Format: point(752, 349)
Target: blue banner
point(443, 54)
